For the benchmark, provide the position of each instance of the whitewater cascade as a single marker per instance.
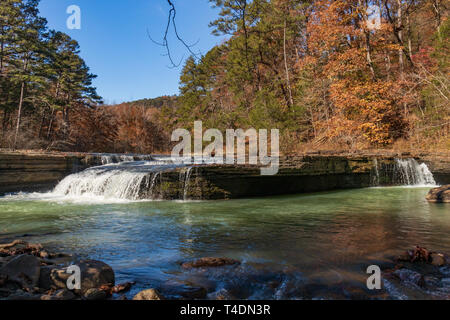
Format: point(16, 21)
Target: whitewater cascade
point(123, 178)
point(106, 183)
point(185, 179)
point(139, 180)
point(119, 158)
point(409, 172)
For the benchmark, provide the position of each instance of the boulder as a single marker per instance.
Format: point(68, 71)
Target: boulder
point(438, 259)
point(23, 269)
point(45, 279)
point(150, 294)
point(210, 263)
point(439, 195)
point(94, 274)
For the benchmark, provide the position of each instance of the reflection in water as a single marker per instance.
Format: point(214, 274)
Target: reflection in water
point(305, 246)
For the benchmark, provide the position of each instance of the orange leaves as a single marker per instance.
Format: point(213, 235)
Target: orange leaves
point(363, 102)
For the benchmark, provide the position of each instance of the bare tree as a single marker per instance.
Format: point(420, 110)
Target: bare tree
point(171, 22)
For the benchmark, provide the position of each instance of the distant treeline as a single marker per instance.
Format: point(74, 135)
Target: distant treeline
point(315, 69)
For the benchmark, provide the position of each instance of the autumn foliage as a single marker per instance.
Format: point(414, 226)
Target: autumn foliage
point(314, 69)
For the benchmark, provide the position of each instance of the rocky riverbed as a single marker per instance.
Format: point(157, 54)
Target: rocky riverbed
point(30, 272)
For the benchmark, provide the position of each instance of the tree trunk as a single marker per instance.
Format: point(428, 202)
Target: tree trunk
point(19, 114)
point(438, 17)
point(5, 122)
point(367, 42)
point(288, 80)
point(400, 36)
point(41, 126)
point(2, 53)
point(50, 124)
point(408, 25)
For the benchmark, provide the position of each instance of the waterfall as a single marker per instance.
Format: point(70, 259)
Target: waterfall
point(126, 180)
point(187, 182)
point(119, 158)
point(106, 183)
point(375, 173)
point(409, 172)
point(153, 184)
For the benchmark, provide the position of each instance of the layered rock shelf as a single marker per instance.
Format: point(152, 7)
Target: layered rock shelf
point(298, 174)
point(314, 172)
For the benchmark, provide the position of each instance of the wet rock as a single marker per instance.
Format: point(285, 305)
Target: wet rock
point(210, 263)
point(23, 269)
point(182, 289)
point(45, 280)
point(150, 294)
point(438, 259)
point(193, 293)
point(439, 195)
point(19, 247)
point(44, 255)
point(222, 295)
point(23, 296)
point(9, 246)
point(94, 274)
point(95, 294)
point(124, 287)
point(60, 295)
point(446, 281)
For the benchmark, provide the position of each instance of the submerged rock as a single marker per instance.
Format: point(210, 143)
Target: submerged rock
point(95, 294)
point(150, 294)
point(439, 195)
point(184, 289)
point(210, 263)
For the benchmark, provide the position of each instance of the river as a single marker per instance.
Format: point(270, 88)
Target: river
point(310, 246)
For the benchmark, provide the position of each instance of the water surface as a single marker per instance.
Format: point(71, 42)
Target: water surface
point(292, 247)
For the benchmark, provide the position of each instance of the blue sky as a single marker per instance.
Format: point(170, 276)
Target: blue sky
point(114, 42)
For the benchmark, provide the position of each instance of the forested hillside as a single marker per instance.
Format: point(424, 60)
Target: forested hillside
point(315, 69)
point(44, 82)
